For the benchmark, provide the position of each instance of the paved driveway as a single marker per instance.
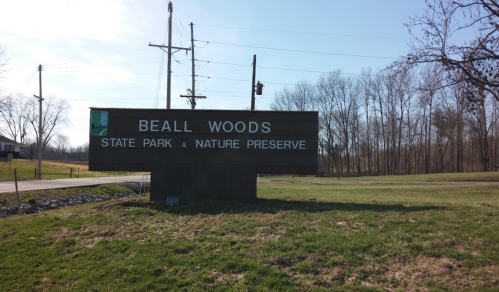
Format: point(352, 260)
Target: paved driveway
point(28, 185)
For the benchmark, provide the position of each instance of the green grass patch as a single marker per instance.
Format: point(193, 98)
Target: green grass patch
point(50, 170)
point(295, 237)
point(434, 177)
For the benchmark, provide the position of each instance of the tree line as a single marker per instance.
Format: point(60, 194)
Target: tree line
point(19, 116)
point(436, 110)
point(397, 122)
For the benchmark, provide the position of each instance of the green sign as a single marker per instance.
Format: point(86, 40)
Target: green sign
point(98, 123)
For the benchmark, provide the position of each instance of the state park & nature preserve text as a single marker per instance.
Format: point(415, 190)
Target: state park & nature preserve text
point(215, 127)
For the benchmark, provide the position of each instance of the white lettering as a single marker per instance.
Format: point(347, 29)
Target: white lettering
point(231, 128)
point(276, 144)
point(214, 126)
point(242, 127)
point(185, 127)
point(253, 127)
point(217, 143)
point(265, 127)
point(156, 143)
point(239, 127)
point(154, 125)
point(143, 126)
point(166, 126)
point(175, 127)
point(118, 142)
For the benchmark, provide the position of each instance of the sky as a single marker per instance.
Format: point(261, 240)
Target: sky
point(95, 53)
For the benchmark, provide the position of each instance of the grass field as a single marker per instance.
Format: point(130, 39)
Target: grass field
point(50, 170)
point(434, 177)
point(298, 236)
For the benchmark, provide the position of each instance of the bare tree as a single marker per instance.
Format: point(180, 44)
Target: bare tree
point(14, 114)
point(345, 114)
point(327, 94)
point(365, 83)
point(436, 40)
point(4, 60)
point(54, 116)
point(300, 98)
point(3, 64)
point(430, 86)
point(61, 143)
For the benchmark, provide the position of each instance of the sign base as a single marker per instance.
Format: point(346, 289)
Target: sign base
point(216, 182)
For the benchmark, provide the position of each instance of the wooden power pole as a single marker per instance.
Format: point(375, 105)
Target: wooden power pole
point(253, 84)
point(193, 96)
point(39, 148)
point(169, 52)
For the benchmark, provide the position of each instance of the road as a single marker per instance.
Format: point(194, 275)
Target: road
point(29, 185)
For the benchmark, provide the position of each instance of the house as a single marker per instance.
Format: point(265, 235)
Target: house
point(9, 146)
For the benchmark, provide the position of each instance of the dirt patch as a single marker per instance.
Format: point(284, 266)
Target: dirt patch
point(413, 274)
point(227, 279)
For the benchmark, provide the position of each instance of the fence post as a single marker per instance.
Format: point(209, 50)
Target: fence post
point(70, 172)
point(35, 172)
point(17, 192)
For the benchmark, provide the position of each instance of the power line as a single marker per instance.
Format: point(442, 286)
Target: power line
point(129, 5)
point(30, 76)
point(96, 57)
point(115, 73)
point(307, 32)
point(225, 63)
point(202, 82)
point(75, 58)
point(242, 80)
point(178, 75)
point(275, 68)
point(160, 75)
point(299, 51)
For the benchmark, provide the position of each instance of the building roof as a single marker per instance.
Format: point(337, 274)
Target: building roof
point(6, 140)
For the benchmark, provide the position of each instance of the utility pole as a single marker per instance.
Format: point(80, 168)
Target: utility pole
point(39, 148)
point(253, 84)
point(193, 67)
point(193, 90)
point(169, 76)
point(169, 52)
point(258, 88)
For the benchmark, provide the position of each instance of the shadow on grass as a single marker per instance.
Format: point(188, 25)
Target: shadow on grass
point(272, 206)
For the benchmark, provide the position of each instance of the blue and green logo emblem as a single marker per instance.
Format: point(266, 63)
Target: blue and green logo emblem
point(98, 123)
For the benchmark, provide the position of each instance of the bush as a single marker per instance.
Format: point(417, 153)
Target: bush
point(32, 201)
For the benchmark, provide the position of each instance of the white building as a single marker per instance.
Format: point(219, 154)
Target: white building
point(9, 146)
